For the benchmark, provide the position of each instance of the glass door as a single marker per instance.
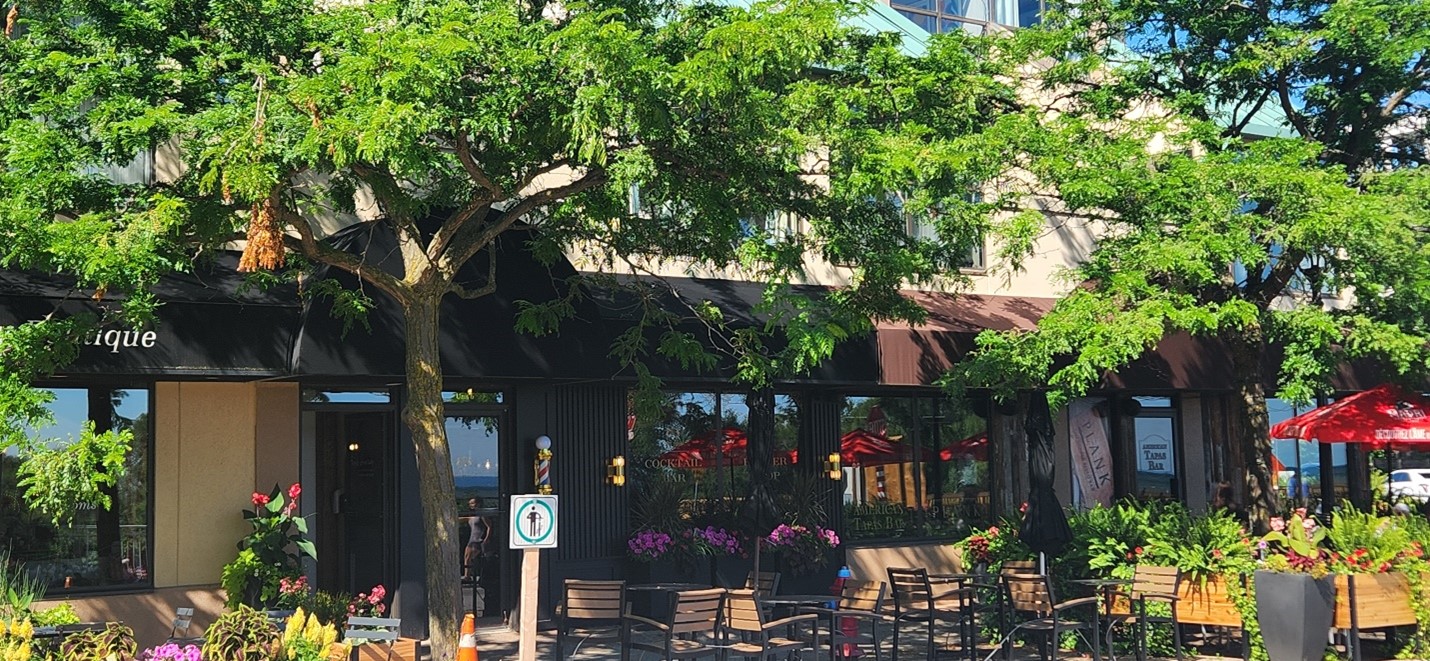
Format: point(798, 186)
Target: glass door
point(354, 472)
point(474, 438)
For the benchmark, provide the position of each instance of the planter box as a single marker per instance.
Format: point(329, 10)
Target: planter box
point(403, 649)
point(1207, 604)
point(1295, 613)
point(1382, 600)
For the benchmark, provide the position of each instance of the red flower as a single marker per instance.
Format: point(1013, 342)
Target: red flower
point(1023, 509)
point(260, 499)
point(1137, 550)
point(1216, 553)
point(294, 490)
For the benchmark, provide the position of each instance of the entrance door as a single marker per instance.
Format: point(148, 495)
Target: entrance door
point(475, 442)
point(354, 464)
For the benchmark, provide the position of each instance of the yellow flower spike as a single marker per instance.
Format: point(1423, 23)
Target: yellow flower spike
point(4, 627)
point(313, 632)
point(23, 630)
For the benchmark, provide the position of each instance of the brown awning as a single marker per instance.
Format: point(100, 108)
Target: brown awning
point(919, 355)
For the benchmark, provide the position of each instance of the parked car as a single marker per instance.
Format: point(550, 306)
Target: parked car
point(1410, 482)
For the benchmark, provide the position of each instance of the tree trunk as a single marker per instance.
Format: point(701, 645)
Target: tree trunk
point(1252, 426)
point(424, 419)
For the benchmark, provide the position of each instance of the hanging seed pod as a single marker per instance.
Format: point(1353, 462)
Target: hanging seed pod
point(265, 239)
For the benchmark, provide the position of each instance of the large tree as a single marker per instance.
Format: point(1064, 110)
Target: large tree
point(454, 122)
point(1253, 170)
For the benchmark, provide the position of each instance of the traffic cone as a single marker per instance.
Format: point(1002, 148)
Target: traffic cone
point(467, 644)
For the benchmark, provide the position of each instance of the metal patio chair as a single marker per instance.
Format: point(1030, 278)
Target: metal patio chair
point(860, 603)
point(1031, 596)
point(693, 614)
point(374, 630)
point(179, 634)
point(590, 609)
point(914, 600)
point(756, 637)
point(1150, 583)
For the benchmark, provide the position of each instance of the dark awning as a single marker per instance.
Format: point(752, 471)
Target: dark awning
point(210, 325)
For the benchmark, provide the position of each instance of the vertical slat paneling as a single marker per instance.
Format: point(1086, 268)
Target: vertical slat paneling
point(589, 427)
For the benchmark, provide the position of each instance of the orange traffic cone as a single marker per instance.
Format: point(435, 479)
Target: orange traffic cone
point(467, 644)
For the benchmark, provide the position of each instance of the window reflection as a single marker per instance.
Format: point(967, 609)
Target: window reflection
point(914, 467)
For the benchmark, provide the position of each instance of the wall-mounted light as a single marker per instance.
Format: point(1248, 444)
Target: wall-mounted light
point(616, 471)
point(353, 447)
point(543, 464)
point(832, 467)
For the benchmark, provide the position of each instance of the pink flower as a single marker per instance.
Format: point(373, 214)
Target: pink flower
point(378, 592)
point(260, 499)
point(294, 490)
point(1278, 524)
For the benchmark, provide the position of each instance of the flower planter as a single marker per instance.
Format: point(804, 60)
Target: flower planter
point(1381, 600)
point(1295, 612)
point(1207, 603)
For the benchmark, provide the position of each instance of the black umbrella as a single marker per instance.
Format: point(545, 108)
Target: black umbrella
point(1045, 525)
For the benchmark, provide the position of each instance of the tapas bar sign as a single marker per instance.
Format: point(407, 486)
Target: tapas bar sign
point(1154, 455)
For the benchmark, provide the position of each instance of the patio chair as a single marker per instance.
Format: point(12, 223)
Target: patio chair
point(765, 583)
point(179, 634)
point(692, 613)
point(374, 630)
point(590, 609)
point(1031, 596)
point(916, 601)
point(1149, 583)
point(757, 638)
point(859, 602)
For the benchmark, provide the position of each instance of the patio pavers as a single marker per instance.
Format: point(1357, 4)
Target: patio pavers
point(500, 645)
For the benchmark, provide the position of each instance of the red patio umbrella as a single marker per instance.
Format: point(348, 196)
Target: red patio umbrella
point(975, 446)
point(859, 447)
point(1383, 416)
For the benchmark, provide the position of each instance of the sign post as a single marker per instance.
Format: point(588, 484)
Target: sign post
point(533, 527)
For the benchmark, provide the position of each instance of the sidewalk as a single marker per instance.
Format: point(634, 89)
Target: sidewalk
point(500, 645)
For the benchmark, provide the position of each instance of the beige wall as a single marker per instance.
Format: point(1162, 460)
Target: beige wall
point(872, 563)
point(214, 444)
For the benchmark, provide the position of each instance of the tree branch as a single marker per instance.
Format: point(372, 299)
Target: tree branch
point(476, 237)
point(486, 289)
point(1283, 90)
point(1419, 72)
point(474, 169)
point(308, 244)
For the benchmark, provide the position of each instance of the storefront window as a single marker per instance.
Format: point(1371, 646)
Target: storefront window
point(99, 548)
point(1297, 464)
point(1155, 449)
point(913, 467)
point(687, 458)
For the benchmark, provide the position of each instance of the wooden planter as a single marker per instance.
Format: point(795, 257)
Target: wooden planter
point(1208, 604)
point(1382, 600)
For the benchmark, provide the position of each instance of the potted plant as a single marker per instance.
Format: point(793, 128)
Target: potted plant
point(1374, 558)
point(1214, 555)
point(271, 553)
point(1295, 593)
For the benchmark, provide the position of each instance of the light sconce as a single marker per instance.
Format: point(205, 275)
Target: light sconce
point(616, 471)
point(832, 466)
point(543, 464)
point(352, 447)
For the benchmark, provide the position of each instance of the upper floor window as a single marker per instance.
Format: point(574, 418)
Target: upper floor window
point(973, 16)
point(921, 226)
